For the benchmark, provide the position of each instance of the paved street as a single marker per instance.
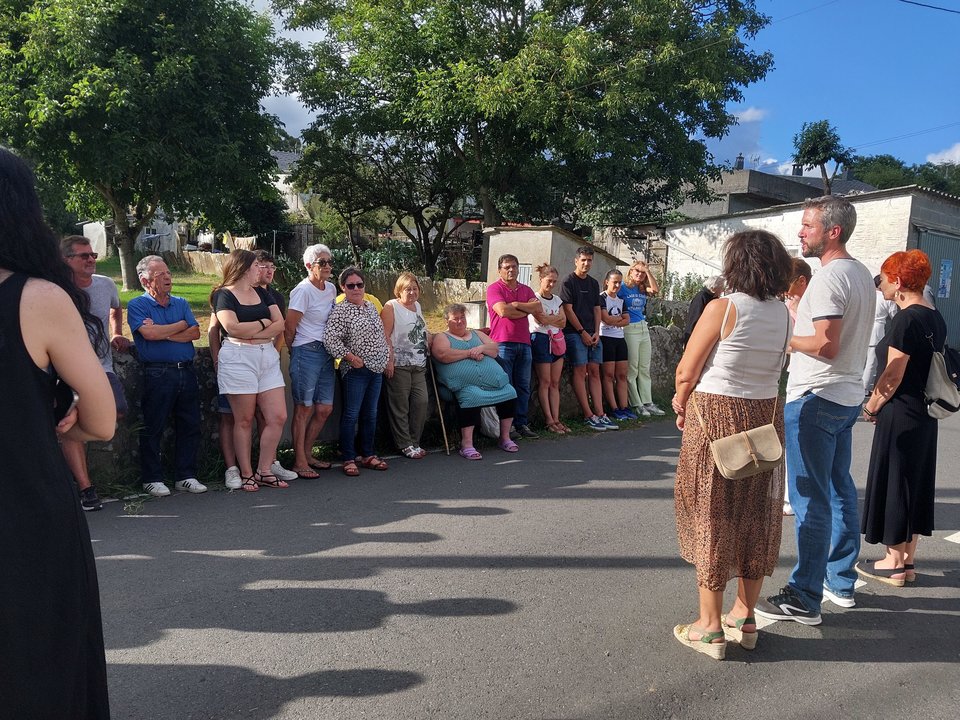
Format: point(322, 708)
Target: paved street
point(537, 585)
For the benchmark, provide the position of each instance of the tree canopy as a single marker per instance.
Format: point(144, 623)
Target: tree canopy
point(535, 109)
point(887, 171)
point(141, 104)
point(816, 146)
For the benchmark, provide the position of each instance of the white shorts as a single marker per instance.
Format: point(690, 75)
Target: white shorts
point(244, 369)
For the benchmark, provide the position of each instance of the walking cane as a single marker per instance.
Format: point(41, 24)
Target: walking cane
point(443, 425)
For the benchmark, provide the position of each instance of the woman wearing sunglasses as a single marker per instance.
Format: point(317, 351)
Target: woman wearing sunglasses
point(355, 335)
point(311, 367)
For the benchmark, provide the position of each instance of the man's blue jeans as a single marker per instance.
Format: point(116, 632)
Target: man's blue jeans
point(516, 360)
point(361, 396)
point(820, 488)
point(168, 390)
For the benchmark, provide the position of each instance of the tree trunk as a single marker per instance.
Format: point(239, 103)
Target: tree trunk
point(491, 216)
point(125, 236)
point(827, 181)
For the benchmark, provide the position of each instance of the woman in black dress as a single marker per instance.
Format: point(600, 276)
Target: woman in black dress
point(52, 666)
point(898, 506)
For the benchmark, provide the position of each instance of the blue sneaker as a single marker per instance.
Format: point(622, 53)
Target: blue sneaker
point(626, 414)
point(608, 423)
point(594, 423)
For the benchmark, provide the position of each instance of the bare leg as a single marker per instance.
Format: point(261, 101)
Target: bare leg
point(748, 592)
point(243, 407)
point(272, 406)
point(621, 376)
point(609, 371)
point(711, 604)
point(226, 440)
point(466, 436)
point(556, 370)
point(543, 392)
point(317, 420)
point(596, 395)
point(75, 453)
point(298, 430)
point(505, 424)
point(580, 389)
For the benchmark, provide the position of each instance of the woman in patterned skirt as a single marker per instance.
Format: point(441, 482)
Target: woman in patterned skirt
point(728, 380)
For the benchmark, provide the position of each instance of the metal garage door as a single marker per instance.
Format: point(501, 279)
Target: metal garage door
point(944, 253)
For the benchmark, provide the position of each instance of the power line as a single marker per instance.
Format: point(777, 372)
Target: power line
point(932, 7)
point(907, 135)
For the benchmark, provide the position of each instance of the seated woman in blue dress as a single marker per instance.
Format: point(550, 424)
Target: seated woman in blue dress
point(466, 366)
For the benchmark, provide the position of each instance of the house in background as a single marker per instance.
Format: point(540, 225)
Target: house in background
point(295, 200)
point(887, 221)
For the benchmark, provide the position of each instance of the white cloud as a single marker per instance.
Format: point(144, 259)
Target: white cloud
point(950, 155)
point(751, 114)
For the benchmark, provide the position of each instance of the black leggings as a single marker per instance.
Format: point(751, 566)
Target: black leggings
point(470, 417)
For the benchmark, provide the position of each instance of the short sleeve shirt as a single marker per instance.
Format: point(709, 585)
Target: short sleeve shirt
point(315, 306)
point(103, 297)
point(634, 301)
point(145, 306)
point(504, 329)
point(224, 299)
point(614, 308)
point(583, 295)
point(843, 290)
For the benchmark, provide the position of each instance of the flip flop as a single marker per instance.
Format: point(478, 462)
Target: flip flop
point(305, 474)
point(884, 575)
point(320, 464)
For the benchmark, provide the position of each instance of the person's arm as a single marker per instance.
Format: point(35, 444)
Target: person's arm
point(887, 383)
point(214, 340)
point(186, 336)
point(442, 352)
point(652, 287)
point(387, 318)
point(825, 341)
point(705, 336)
point(55, 335)
point(334, 337)
point(117, 340)
point(290, 326)
point(607, 318)
point(489, 348)
point(595, 338)
point(151, 331)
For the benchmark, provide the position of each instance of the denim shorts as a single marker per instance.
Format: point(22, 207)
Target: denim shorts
point(540, 346)
point(223, 405)
point(311, 374)
point(578, 354)
point(118, 397)
point(614, 349)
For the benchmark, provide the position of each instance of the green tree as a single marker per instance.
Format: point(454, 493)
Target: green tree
point(882, 171)
point(944, 177)
point(142, 103)
point(550, 108)
point(817, 145)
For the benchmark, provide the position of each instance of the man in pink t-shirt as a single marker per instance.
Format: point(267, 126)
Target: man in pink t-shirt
point(509, 303)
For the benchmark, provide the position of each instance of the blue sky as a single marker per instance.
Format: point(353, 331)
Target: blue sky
point(878, 70)
point(883, 72)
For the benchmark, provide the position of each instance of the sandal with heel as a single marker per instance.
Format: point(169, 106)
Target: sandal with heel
point(705, 643)
point(746, 640)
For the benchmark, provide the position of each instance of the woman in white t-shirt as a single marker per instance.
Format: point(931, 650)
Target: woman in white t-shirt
point(545, 335)
point(613, 320)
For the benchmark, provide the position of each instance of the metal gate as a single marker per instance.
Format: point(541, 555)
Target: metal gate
point(944, 253)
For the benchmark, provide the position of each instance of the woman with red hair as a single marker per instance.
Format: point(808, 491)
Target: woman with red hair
point(898, 506)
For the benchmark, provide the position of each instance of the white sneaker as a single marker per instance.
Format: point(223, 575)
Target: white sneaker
point(231, 478)
point(608, 423)
point(787, 508)
point(281, 472)
point(841, 600)
point(653, 409)
point(191, 485)
point(157, 489)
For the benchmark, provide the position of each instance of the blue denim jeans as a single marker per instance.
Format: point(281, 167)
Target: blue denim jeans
point(169, 391)
point(516, 360)
point(821, 490)
point(361, 396)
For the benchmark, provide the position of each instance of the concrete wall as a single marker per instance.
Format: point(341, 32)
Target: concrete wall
point(883, 227)
point(534, 246)
point(117, 462)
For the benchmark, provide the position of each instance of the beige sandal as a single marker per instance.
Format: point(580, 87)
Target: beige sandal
point(705, 644)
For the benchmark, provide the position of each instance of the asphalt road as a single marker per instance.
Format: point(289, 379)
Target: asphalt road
point(538, 585)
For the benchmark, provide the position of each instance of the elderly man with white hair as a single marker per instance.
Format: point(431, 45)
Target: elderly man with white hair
point(311, 367)
point(163, 330)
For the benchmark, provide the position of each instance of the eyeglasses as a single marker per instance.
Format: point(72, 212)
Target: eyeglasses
point(84, 256)
point(267, 267)
point(354, 286)
point(323, 263)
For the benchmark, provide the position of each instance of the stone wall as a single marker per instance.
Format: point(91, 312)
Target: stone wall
point(117, 462)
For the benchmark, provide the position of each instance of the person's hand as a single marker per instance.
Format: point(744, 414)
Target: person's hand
point(147, 321)
point(681, 421)
point(120, 343)
point(476, 353)
point(677, 407)
point(595, 339)
point(388, 370)
point(69, 420)
point(868, 417)
point(356, 363)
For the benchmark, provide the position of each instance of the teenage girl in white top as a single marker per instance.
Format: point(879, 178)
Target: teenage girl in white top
point(613, 320)
point(548, 366)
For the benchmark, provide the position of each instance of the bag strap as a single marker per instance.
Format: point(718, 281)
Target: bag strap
point(696, 410)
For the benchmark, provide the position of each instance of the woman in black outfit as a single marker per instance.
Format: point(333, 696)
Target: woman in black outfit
point(52, 665)
point(899, 500)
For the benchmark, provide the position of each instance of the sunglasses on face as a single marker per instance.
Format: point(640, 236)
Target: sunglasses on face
point(84, 255)
point(323, 263)
point(354, 286)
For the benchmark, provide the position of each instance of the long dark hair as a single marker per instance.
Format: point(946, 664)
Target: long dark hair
point(29, 246)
